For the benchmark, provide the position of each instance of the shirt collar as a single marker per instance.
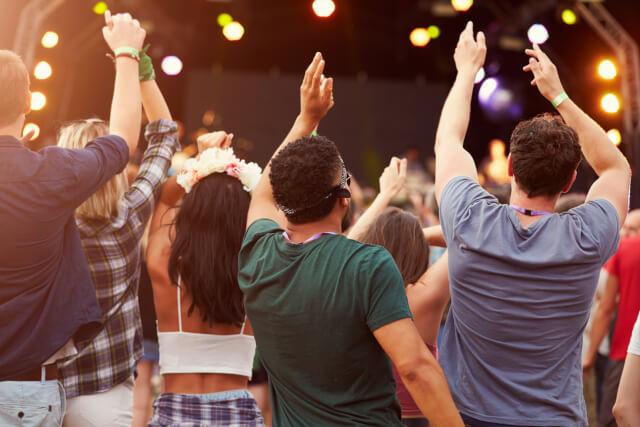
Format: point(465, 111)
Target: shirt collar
point(10, 141)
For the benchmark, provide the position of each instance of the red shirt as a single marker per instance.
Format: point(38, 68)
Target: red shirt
point(625, 265)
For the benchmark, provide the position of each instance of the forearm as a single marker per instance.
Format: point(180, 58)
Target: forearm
point(627, 406)
point(379, 204)
point(434, 236)
point(430, 391)
point(454, 119)
point(155, 106)
point(601, 154)
point(125, 107)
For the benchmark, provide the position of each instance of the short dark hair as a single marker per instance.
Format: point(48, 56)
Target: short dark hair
point(400, 233)
point(14, 86)
point(544, 153)
point(209, 225)
point(302, 175)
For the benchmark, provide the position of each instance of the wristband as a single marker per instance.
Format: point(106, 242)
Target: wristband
point(559, 99)
point(128, 51)
point(145, 69)
point(314, 133)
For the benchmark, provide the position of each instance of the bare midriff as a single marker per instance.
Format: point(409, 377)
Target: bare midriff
point(202, 383)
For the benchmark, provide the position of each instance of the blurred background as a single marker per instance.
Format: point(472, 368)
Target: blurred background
point(237, 65)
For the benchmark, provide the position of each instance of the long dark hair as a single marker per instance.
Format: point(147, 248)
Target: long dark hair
point(209, 227)
point(400, 233)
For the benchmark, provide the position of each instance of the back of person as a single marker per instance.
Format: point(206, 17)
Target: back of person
point(313, 307)
point(522, 350)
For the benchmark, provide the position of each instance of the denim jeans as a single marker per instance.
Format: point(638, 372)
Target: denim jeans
point(31, 403)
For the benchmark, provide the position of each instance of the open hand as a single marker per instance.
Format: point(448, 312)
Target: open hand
point(393, 177)
point(122, 30)
point(545, 73)
point(219, 139)
point(470, 54)
point(316, 92)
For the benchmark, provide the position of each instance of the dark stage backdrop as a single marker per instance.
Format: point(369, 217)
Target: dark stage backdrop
point(371, 121)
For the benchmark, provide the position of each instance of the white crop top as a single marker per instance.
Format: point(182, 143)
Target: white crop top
point(189, 352)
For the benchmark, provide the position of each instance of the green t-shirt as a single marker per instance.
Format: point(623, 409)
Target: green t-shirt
point(313, 308)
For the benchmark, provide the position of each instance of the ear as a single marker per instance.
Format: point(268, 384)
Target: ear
point(570, 183)
point(344, 202)
point(509, 161)
point(27, 108)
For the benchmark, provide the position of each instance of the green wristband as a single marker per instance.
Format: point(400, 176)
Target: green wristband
point(145, 69)
point(559, 99)
point(127, 50)
point(314, 133)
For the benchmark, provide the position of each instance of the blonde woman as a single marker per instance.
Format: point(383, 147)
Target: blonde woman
point(99, 381)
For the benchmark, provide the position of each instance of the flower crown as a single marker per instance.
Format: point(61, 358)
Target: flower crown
point(216, 160)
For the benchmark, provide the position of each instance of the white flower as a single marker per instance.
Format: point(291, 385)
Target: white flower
point(250, 176)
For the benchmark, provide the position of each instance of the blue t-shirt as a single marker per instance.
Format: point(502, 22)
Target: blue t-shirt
point(520, 299)
point(46, 291)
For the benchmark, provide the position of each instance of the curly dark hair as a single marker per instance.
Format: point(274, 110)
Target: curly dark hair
point(209, 226)
point(303, 174)
point(544, 153)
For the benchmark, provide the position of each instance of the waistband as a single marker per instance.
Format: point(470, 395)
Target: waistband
point(224, 395)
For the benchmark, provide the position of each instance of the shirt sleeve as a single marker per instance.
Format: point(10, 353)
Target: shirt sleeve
point(139, 199)
point(258, 229)
point(634, 344)
point(602, 225)
point(83, 171)
point(457, 197)
point(387, 300)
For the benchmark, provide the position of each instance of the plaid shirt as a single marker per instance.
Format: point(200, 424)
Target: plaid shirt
point(112, 248)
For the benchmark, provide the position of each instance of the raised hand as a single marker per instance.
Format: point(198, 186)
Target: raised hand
point(218, 139)
point(393, 177)
point(122, 30)
point(470, 54)
point(316, 92)
point(545, 73)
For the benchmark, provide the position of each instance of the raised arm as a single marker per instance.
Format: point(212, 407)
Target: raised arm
point(155, 106)
point(391, 181)
point(451, 158)
point(607, 161)
point(316, 99)
point(119, 32)
point(434, 236)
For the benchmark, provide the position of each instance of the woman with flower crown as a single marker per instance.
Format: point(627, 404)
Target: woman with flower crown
point(206, 344)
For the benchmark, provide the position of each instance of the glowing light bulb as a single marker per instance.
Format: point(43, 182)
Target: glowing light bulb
point(38, 101)
point(43, 70)
point(487, 88)
point(420, 37)
point(434, 31)
point(50, 39)
point(610, 103)
point(614, 136)
point(462, 5)
point(538, 34)
point(323, 8)
point(28, 127)
point(100, 8)
point(171, 65)
point(233, 31)
point(607, 69)
point(480, 75)
point(569, 17)
point(224, 19)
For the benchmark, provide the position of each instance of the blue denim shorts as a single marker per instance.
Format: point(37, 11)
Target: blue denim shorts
point(31, 403)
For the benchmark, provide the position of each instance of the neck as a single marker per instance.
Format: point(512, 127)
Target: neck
point(14, 129)
point(301, 232)
point(540, 203)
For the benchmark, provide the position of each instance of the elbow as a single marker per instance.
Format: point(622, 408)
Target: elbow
point(621, 412)
point(420, 370)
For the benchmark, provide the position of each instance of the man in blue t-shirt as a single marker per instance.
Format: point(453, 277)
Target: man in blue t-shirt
point(522, 279)
point(325, 309)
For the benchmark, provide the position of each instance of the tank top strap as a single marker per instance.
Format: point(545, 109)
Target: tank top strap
point(243, 324)
point(179, 305)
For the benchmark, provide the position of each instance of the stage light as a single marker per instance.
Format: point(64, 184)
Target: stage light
point(462, 5)
point(100, 8)
point(233, 31)
point(28, 127)
point(224, 19)
point(420, 37)
point(42, 71)
point(171, 65)
point(480, 75)
point(486, 89)
point(538, 34)
point(607, 69)
point(50, 39)
point(569, 17)
point(38, 101)
point(614, 136)
point(323, 8)
point(434, 31)
point(610, 103)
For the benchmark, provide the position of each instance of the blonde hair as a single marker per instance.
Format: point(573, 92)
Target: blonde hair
point(14, 87)
point(102, 204)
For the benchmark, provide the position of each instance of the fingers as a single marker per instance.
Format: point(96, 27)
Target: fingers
point(467, 33)
point(317, 76)
point(311, 69)
point(107, 19)
point(227, 141)
point(27, 136)
point(481, 40)
point(403, 168)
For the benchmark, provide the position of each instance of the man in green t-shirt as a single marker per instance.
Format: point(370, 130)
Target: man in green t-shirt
point(325, 309)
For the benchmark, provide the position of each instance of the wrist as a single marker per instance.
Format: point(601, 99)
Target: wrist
point(307, 123)
point(467, 74)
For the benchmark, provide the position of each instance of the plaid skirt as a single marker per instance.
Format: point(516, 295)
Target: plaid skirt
point(235, 408)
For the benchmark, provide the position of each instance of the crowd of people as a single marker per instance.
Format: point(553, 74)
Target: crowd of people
point(344, 305)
